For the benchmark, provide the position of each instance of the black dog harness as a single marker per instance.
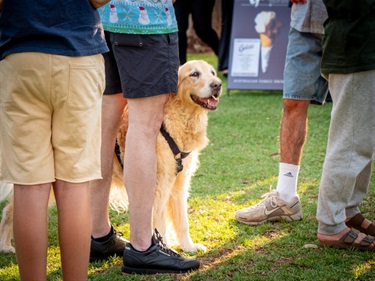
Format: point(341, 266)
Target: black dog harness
point(118, 153)
point(178, 155)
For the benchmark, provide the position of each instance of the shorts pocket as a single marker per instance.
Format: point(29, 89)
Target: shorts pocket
point(128, 40)
point(173, 39)
point(86, 86)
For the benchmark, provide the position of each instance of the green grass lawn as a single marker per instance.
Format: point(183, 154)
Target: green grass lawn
point(238, 166)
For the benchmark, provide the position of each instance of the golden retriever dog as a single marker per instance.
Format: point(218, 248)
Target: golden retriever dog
point(182, 137)
point(6, 225)
point(178, 146)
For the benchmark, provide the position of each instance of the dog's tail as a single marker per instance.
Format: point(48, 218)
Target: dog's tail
point(118, 197)
point(6, 191)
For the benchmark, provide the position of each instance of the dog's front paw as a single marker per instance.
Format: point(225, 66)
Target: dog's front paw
point(7, 249)
point(194, 247)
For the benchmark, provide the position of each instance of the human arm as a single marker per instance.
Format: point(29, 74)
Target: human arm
point(94, 3)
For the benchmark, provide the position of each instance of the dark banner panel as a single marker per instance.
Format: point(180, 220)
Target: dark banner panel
point(259, 40)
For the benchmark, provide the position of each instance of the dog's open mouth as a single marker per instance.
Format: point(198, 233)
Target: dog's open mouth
point(208, 103)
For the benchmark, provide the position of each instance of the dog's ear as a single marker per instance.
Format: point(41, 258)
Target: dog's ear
point(180, 76)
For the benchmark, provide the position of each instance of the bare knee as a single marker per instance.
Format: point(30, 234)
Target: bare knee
point(295, 107)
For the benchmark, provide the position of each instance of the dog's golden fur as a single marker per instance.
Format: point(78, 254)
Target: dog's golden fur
point(6, 225)
point(186, 121)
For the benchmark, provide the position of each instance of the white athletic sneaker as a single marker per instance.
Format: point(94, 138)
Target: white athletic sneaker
point(272, 208)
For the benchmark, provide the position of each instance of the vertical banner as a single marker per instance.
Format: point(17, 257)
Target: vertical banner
point(259, 39)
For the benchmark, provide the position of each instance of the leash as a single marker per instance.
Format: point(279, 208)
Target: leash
point(178, 155)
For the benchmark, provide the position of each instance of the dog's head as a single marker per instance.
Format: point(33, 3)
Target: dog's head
point(199, 85)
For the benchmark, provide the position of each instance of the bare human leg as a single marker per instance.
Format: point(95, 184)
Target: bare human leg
point(145, 119)
point(30, 229)
point(112, 109)
point(73, 206)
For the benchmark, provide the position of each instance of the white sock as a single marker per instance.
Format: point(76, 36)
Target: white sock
point(287, 182)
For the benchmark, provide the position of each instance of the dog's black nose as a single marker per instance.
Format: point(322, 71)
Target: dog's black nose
point(215, 85)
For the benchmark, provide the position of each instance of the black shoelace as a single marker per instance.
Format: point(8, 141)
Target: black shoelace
point(163, 246)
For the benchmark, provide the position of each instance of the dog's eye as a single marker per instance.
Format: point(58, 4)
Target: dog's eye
point(195, 74)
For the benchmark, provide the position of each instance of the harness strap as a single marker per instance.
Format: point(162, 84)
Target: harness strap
point(178, 155)
point(118, 153)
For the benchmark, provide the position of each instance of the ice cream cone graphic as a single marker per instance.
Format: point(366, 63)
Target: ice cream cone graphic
point(143, 16)
point(113, 14)
point(265, 40)
point(266, 45)
point(267, 27)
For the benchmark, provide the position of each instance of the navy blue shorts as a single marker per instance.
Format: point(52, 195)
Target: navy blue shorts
point(141, 65)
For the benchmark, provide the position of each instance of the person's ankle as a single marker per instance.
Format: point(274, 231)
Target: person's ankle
point(287, 197)
point(141, 247)
point(332, 237)
point(104, 232)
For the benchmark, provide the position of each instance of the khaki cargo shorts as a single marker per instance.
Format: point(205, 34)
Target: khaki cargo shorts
point(50, 111)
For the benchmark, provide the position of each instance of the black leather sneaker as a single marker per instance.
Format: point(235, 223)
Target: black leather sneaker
point(103, 250)
point(157, 259)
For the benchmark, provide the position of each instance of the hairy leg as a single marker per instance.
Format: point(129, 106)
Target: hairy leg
point(145, 119)
point(112, 108)
point(292, 139)
point(293, 130)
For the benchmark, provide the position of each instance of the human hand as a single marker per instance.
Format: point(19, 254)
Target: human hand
point(96, 3)
point(298, 1)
